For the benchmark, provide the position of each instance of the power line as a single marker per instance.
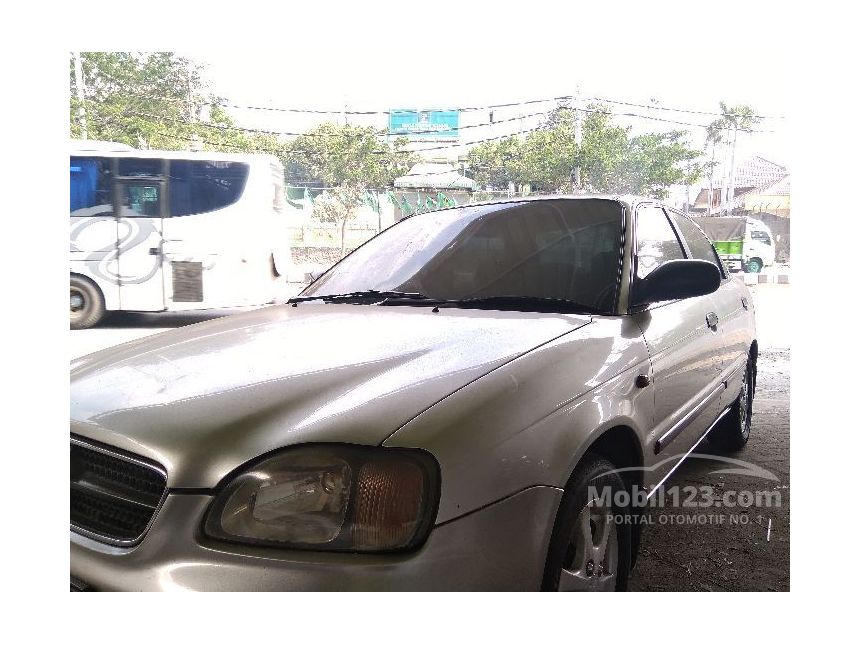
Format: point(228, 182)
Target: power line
point(461, 109)
point(668, 109)
point(224, 127)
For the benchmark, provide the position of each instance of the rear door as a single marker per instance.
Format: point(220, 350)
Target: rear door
point(683, 347)
point(140, 200)
point(731, 306)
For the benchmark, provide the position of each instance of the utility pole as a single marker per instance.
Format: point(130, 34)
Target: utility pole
point(711, 178)
point(192, 117)
point(577, 139)
point(79, 87)
point(687, 203)
point(723, 181)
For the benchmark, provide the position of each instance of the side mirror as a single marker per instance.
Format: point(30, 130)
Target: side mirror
point(676, 280)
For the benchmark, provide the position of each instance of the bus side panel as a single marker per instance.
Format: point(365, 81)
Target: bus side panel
point(93, 254)
point(223, 258)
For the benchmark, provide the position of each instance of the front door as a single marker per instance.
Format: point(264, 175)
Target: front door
point(683, 344)
point(140, 211)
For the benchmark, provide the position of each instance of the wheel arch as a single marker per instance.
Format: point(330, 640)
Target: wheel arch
point(620, 445)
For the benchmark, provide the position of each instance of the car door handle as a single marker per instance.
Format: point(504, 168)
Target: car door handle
point(155, 251)
point(712, 319)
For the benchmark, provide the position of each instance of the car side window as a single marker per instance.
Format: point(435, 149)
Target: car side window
point(656, 241)
point(698, 243)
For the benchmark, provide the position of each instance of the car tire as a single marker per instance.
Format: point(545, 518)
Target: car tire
point(733, 431)
point(754, 266)
point(87, 304)
point(590, 550)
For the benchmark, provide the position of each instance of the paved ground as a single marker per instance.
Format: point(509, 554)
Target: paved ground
point(733, 556)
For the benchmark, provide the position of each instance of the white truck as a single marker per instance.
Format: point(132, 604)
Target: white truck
point(744, 244)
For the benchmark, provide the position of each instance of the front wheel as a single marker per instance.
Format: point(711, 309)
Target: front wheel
point(591, 541)
point(754, 265)
point(86, 303)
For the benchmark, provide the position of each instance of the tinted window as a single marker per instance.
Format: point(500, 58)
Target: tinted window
point(656, 240)
point(698, 243)
point(203, 186)
point(141, 167)
point(560, 249)
point(140, 199)
point(91, 185)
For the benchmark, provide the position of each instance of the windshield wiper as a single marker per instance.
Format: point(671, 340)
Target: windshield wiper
point(526, 303)
point(502, 303)
point(371, 295)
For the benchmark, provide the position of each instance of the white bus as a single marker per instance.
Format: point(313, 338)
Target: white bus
point(154, 230)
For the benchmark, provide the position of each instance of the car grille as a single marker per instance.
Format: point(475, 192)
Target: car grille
point(113, 497)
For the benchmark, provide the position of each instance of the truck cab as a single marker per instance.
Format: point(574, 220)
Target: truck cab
point(759, 249)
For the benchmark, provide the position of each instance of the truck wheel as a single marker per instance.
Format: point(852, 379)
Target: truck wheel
point(754, 265)
point(589, 550)
point(86, 304)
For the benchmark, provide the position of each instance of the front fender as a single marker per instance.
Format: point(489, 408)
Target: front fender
point(529, 422)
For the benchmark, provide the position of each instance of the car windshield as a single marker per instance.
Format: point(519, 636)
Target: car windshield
point(558, 249)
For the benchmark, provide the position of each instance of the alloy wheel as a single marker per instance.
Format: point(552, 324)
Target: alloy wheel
point(744, 403)
point(591, 561)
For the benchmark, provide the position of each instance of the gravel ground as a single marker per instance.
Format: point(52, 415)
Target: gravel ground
point(730, 556)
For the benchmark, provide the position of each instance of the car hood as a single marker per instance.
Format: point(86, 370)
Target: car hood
point(204, 399)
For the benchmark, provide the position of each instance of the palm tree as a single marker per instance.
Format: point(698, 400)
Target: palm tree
point(714, 138)
point(738, 118)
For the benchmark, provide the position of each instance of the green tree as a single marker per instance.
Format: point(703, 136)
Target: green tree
point(349, 155)
point(653, 162)
point(496, 163)
point(142, 99)
point(348, 159)
point(339, 206)
point(610, 160)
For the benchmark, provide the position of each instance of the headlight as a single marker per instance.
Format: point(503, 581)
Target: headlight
point(332, 498)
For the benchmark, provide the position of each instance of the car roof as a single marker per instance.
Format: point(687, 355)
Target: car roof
point(629, 200)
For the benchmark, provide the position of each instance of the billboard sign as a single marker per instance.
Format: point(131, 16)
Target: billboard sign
point(418, 125)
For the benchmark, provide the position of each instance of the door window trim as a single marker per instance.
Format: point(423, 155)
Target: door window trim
point(634, 252)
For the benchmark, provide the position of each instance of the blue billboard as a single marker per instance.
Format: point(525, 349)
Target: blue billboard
point(424, 124)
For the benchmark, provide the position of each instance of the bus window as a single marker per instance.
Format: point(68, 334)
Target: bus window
point(203, 186)
point(141, 167)
point(140, 200)
point(91, 184)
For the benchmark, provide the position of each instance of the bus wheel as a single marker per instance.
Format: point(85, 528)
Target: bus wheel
point(86, 303)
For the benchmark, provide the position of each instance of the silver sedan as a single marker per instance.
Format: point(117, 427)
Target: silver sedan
point(471, 400)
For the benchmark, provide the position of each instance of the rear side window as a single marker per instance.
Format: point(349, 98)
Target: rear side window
point(700, 246)
point(656, 240)
point(91, 186)
point(204, 186)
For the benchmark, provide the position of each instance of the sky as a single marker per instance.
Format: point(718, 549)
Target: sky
point(380, 78)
